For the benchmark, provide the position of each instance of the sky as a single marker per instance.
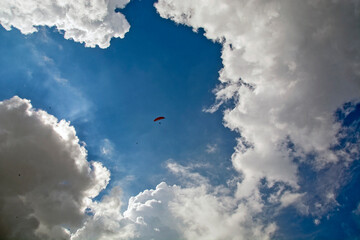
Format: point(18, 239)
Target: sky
point(261, 132)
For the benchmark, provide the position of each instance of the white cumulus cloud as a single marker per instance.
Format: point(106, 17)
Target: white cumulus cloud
point(288, 66)
point(198, 211)
point(90, 22)
point(46, 182)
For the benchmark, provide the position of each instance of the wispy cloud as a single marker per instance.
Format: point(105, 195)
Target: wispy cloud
point(69, 101)
point(107, 148)
point(211, 148)
point(357, 210)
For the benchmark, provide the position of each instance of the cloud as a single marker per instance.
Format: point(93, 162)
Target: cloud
point(107, 148)
point(290, 198)
point(288, 66)
point(46, 182)
point(211, 148)
point(185, 174)
point(287, 75)
point(199, 211)
point(357, 210)
point(106, 222)
point(316, 221)
point(63, 97)
point(90, 22)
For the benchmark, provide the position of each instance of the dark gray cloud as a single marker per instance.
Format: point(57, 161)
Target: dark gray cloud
point(46, 181)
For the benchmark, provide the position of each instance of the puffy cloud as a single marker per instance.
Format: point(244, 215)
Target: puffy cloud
point(195, 213)
point(46, 182)
point(107, 221)
point(90, 22)
point(288, 66)
point(290, 198)
point(199, 211)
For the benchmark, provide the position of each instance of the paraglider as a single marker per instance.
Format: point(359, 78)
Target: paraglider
point(159, 118)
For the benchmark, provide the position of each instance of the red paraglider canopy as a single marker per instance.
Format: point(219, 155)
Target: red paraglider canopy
point(158, 118)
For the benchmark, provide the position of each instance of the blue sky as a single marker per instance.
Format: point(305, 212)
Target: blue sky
point(116, 93)
point(283, 154)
